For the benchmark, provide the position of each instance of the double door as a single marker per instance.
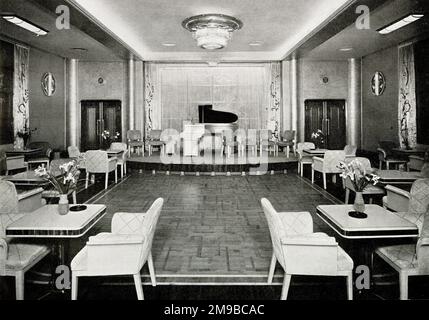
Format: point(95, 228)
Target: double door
point(328, 116)
point(98, 117)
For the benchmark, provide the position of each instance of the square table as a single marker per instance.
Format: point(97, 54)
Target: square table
point(395, 177)
point(315, 152)
point(23, 152)
point(380, 224)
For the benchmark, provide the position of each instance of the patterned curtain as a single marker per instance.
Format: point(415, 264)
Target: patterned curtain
point(274, 112)
point(407, 98)
point(152, 114)
point(20, 94)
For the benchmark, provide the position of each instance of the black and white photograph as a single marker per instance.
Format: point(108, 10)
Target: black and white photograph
point(214, 157)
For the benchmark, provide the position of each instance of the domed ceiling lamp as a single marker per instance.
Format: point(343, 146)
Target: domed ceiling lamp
point(212, 31)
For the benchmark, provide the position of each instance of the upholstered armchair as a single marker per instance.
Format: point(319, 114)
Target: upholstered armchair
point(97, 161)
point(350, 151)
point(171, 139)
point(411, 259)
point(288, 141)
point(241, 142)
point(209, 143)
point(15, 163)
point(135, 141)
point(229, 142)
point(252, 141)
point(122, 159)
point(328, 164)
point(15, 258)
point(302, 158)
point(45, 157)
point(124, 251)
point(154, 140)
point(384, 156)
point(301, 252)
point(370, 190)
point(268, 142)
point(55, 169)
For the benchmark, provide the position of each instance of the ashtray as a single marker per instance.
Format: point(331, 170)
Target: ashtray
point(78, 208)
point(358, 215)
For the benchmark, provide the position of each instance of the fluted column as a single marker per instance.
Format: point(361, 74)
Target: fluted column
point(72, 108)
point(131, 93)
point(353, 133)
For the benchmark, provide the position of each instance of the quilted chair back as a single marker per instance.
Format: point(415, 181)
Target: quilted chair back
point(118, 146)
point(155, 135)
point(350, 150)
point(134, 135)
point(387, 146)
point(289, 135)
point(96, 161)
point(252, 137)
point(168, 135)
point(8, 206)
point(73, 152)
point(332, 160)
point(425, 170)
point(419, 202)
point(304, 146)
point(291, 224)
point(366, 164)
point(241, 136)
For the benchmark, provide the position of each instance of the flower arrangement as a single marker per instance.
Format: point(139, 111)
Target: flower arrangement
point(318, 138)
point(65, 180)
point(25, 133)
point(108, 138)
point(358, 175)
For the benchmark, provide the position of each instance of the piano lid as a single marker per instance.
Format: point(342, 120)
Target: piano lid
point(208, 115)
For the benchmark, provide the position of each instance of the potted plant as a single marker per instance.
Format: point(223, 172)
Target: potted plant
point(318, 138)
point(360, 179)
point(25, 134)
point(64, 182)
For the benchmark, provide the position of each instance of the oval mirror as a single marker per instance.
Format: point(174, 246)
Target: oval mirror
point(378, 84)
point(48, 84)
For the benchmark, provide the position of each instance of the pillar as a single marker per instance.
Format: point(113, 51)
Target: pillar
point(72, 106)
point(353, 112)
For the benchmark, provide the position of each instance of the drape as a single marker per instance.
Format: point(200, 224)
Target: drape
point(407, 98)
point(20, 94)
point(174, 92)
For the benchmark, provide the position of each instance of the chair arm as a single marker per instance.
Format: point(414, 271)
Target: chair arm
point(397, 191)
point(309, 240)
point(3, 256)
point(318, 164)
point(383, 152)
point(318, 159)
point(422, 251)
point(107, 239)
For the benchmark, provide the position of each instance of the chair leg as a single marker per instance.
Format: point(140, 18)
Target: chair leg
point(387, 165)
point(106, 182)
point(324, 181)
point(403, 286)
point(74, 287)
point(19, 285)
point(116, 176)
point(312, 175)
point(346, 201)
point(87, 180)
point(122, 171)
point(138, 284)
point(151, 270)
point(74, 197)
point(272, 269)
point(285, 288)
point(287, 151)
point(350, 287)
point(380, 165)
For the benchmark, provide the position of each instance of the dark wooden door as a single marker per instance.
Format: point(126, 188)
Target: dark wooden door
point(336, 124)
point(98, 116)
point(329, 117)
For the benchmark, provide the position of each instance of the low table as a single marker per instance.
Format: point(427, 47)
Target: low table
point(315, 152)
point(380, 224)
point(23, 152)
point(27, 178)
point(395, 177)
point(114, 153)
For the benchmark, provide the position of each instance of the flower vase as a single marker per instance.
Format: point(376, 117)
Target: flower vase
point(359, 207)
point(63, 205)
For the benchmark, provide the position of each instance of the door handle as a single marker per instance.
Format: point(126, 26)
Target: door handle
point(328, 126)
point(97, 127)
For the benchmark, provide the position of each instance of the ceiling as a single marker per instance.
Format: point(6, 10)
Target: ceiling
point(365, 42)
point(59, 42)
point(144, 25)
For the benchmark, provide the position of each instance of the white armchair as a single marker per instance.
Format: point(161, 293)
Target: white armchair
point(396, 199)
point(124, 251)
point(411, 259)
point(328, 164)
point(302, 252)
point(15, 258)
point(97, 161)
point(122, 160)
point(302, 158)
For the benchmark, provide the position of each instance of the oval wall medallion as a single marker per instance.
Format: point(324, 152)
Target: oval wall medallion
point(48, 84)
point(378, 84)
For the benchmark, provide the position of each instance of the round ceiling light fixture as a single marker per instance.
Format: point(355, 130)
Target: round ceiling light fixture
point(212, 31)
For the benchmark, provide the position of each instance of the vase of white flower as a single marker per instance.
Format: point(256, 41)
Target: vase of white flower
point(63, 205)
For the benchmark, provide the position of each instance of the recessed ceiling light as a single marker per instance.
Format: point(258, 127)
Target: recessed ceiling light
point(346, 49)
point(398, 24)
point(169, 44)
point(255, 43)
point(25, 24)
point(79, 49)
